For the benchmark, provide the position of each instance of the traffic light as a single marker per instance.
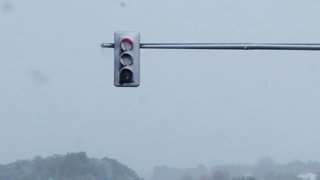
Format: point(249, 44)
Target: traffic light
point(126, 59)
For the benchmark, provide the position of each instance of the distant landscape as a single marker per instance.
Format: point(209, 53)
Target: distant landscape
point(77, 166)
point(264, 169)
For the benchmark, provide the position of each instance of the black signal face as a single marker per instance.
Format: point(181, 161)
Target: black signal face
point(127, 59)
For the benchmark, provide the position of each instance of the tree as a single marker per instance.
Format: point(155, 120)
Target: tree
point(220, 175)
point(73, 166)
point(264, 166)
point(244, 178)
point(281, 176)
point(187, 177)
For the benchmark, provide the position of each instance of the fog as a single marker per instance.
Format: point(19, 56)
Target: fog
point(193, 107)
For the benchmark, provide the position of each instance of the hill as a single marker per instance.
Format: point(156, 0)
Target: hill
point(72, 166)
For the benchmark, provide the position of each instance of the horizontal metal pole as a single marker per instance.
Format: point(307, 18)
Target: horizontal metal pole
point(227, 46)
point(107, 45)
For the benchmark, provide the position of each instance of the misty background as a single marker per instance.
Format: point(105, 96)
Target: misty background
point(193, 107)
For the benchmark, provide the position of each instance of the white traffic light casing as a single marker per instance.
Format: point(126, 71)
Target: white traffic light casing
point(126, 59)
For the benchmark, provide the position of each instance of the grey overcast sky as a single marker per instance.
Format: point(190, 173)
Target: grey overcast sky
point(193, 107)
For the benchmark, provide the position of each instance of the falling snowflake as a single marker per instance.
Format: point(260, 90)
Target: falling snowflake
point(123, 4)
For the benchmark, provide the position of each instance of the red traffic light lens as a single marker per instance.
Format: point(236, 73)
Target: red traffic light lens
point(126, 44)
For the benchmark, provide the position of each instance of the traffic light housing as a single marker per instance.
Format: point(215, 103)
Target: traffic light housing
point(126, 59)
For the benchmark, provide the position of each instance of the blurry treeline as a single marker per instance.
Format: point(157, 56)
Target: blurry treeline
point(72, 166)
point(264, 169)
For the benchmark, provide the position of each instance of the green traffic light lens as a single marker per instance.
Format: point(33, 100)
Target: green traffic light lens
point(126, 76)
